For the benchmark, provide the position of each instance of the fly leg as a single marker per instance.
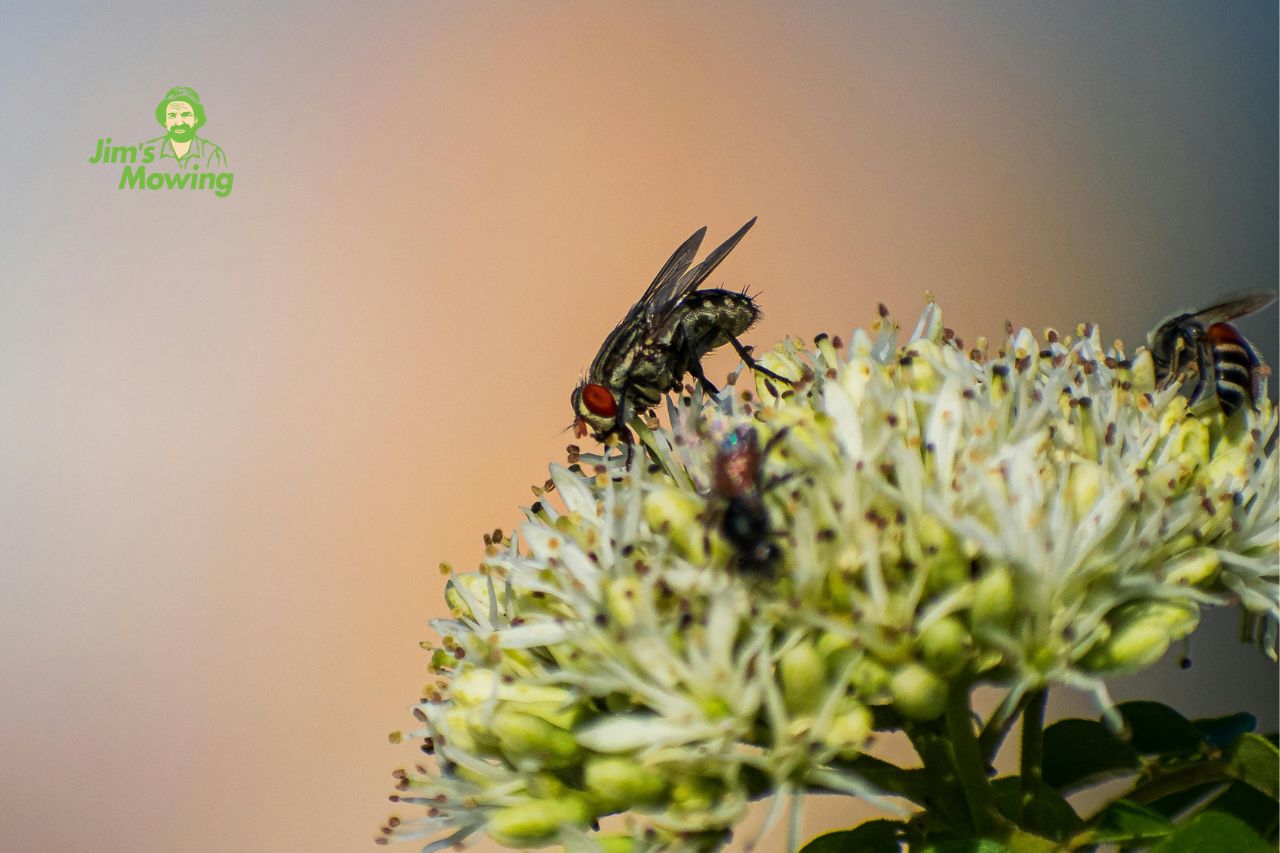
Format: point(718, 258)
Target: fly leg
point(687, 354)
point(695, 367)
point(746, 356)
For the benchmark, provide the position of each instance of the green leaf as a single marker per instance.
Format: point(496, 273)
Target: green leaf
point(876, 836)
point(1126, 821)
point(1255, 761)
point(1249, 805)
point(1158, 729)
point(1078, 753)
point(972, 846)
point(1221, 731)
point(1214, 831)
point(1044, 812)
point(1175, 804)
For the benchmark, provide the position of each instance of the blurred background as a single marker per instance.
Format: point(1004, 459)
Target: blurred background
point(238, 434)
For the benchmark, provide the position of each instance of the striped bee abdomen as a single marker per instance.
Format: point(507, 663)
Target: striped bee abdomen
point(1234, 366)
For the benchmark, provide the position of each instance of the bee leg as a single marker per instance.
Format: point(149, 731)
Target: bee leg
point(746, 356)
point(773, 441)
point(1205, 376)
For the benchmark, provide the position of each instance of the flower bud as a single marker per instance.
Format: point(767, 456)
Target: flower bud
point(869, 679)
point(993, 599)
point(1084, 484)
point(1195, 568)
point(849, 729)
point(531, 742)
point(675, 513)
point(694, 794)
point(945, 646)
point(458, 730)
point(618, 783)
point(1140, 635)
point(1143, 372)
point(917, 366)
point(476, 588)
point(803, 678)
point(620, 594)
point(537, 823)
point(473, 686)
point(918, 694)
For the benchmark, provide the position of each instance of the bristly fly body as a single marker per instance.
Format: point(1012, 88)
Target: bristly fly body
point(661, 339)
point(1223, 359)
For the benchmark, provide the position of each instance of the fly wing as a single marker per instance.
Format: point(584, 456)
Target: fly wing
point(698, 274)
point(636, 324)
point(1237, 305)
point(659, 294)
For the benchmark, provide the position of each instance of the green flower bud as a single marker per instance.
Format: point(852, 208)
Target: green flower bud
point(694, 794)
point(620, 783)
point(545, 786)
point(945, 646)
point(993, 599)
point(1198, 568)
point(1143, 372)
point(537, 823)
point(803, 678)
point(849, 729)
point(676, 514)
point(918, 370)
point(1229, 467)
point(620, 594)
point(1128, 649)
point(458, 726)
point(869, 678)
point(473, 686)
point(918, 694)
point(557, 714)
point(1140, 635)
point(616, 844)
point(781, 363)
point(1083, 486)
point(531, 742)
point(475, 586)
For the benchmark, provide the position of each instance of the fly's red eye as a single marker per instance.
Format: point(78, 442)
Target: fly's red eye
point(599, 400)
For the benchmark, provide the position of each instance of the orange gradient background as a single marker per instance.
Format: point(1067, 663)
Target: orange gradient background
point(237, 435)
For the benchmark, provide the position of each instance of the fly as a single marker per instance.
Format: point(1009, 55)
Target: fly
point(662, 338)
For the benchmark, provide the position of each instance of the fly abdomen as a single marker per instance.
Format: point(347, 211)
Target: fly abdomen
point(712, 317)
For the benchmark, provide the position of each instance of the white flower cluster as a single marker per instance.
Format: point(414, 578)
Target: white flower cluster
point(940, 518)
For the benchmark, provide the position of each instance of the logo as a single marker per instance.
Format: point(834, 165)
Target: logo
point(181, 159)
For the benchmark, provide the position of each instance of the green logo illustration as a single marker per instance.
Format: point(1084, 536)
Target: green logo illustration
point(181, 159)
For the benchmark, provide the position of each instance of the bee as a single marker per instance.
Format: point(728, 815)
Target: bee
point(1220, 354)
point(663, 337)
point(737, 473)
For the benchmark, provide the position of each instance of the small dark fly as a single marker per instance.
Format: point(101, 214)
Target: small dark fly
point(661, 339)
point(737, 475)
point(1222, 357)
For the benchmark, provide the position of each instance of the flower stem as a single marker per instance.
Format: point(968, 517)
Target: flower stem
point(1001, 723)
point(970, 765)
point(1032, 753)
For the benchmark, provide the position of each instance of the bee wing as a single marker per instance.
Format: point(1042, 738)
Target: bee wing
point(1236, 305)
